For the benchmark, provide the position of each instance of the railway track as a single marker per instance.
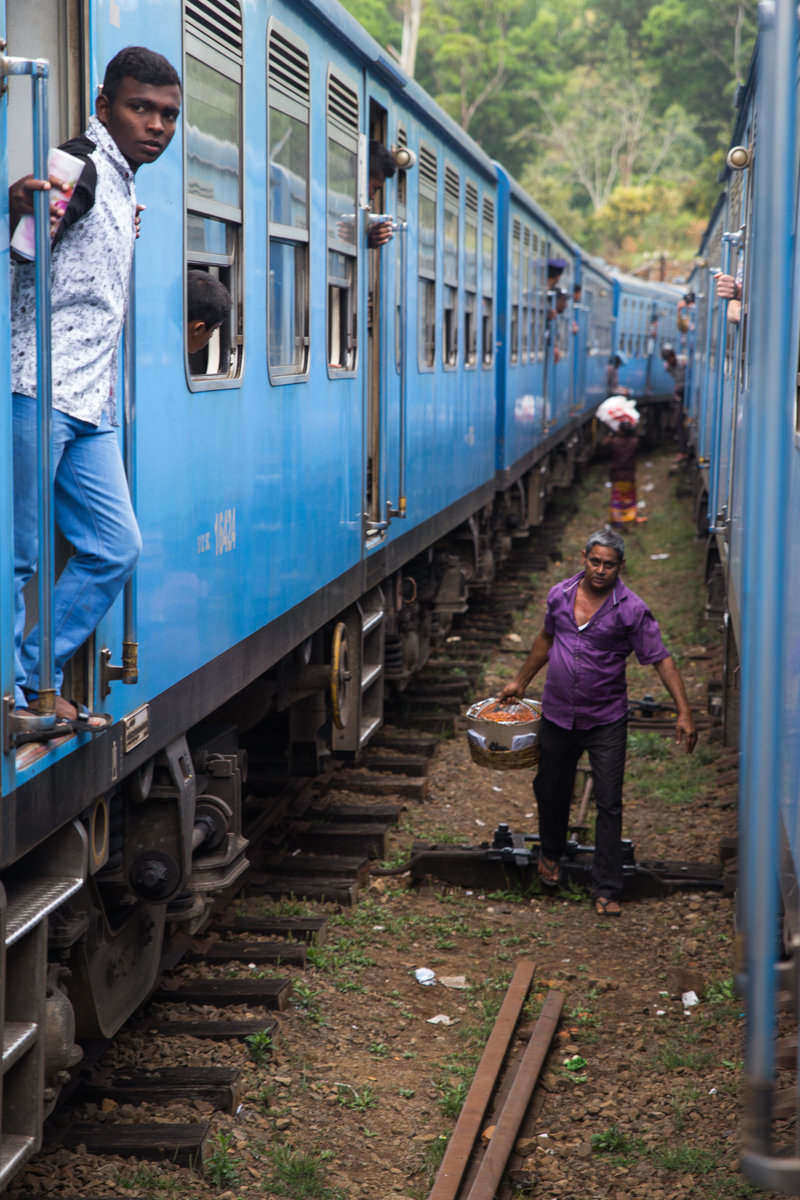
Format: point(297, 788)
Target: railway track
point(309, 838)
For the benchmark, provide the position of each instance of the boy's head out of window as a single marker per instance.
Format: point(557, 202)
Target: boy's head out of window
point(140, 103)
point(208, 303)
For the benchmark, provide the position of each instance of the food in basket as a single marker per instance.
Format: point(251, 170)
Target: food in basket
point(504, 736)
point(504, 713)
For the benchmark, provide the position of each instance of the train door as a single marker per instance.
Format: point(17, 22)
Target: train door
point(51, 30)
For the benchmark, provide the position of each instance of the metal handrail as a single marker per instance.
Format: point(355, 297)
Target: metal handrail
point(39, 71)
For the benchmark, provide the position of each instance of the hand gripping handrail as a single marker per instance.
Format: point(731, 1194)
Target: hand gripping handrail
point(39, 71)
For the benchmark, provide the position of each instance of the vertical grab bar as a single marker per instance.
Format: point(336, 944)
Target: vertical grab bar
point(400, 511)
point(39, 71)
point(129, 671)
point(719, 395)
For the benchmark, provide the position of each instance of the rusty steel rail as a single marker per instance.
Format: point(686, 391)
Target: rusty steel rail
point(462, 1140)
point(513, 1111)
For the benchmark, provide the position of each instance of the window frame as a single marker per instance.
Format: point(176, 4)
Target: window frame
point(349, 141)
point(289, 234)
point(193, 46)
point(450, 281)
point(488, 295)
point(426, 279)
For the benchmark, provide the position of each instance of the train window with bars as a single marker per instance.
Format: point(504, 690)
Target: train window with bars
point(470, 275)
point(426, 266)
point(212, 80)
point(452, 201)
point(516, 251)
point(536, 297)
point(487, 283)
point(289, 104)
point(402, 215)
point(342, 206)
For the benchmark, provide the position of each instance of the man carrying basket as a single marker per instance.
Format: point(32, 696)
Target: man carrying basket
point(591, 625)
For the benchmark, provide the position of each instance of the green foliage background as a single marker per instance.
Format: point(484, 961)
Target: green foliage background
point(614, 114)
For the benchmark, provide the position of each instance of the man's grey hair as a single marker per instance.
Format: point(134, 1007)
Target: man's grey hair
point(607, 537)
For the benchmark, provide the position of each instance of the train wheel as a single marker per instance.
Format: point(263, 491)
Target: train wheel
point(341, 677)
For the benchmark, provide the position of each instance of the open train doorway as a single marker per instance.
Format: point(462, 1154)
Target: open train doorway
point(54, 30)
point(377, 193)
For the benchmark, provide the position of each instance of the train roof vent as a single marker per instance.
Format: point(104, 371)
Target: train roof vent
point(526, 236)
point(488, 210)
point(288, 67)
point(471, 198)
point(517, 230)
point(402, 136)
point(342, 105)
point(427, 166)
point(452, 188)
point(217, 23)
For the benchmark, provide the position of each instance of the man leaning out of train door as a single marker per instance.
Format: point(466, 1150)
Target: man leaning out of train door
point(592, 623)
point(135, 119)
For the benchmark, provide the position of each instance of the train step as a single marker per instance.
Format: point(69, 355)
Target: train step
point(400, 764)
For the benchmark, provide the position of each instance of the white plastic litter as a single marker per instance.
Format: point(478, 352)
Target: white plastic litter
point(425, 976)
point(478, 821)
point(442, 1019)
point(712, 1091)
point(658, 557)
point(660, 1012)
point(689, 999)
point(648, 487)
point(495, 788)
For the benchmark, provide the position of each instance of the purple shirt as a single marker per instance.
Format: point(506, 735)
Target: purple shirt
point(585, 683)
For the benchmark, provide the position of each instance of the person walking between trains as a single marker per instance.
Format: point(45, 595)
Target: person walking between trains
point(623, 444)
point(135, 118)
point(592, 623)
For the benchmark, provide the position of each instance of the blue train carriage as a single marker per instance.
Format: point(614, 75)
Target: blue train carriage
point(594, 318)
point(644, 319)
point(540, 399)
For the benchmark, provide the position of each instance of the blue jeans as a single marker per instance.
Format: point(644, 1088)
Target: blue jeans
point(93, 511)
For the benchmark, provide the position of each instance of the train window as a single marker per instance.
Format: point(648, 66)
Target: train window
point(470, 275)
point(426, 267)
point(289, 99)
point(452, 201)
point(212, 78)
point(526, 290)
point(487, 282)
point(342, 189)
point(402, 215)
point(513, 291)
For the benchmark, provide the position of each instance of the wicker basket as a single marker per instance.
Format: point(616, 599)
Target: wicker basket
point(491, 743)
point(503, 760)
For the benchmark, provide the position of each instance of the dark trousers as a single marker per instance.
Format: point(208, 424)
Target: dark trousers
point(553, 786)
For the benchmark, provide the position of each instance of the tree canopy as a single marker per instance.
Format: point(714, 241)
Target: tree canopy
point(614, 114)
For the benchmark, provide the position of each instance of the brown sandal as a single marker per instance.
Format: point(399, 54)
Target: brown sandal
point(607, 906)
point(549, 871)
